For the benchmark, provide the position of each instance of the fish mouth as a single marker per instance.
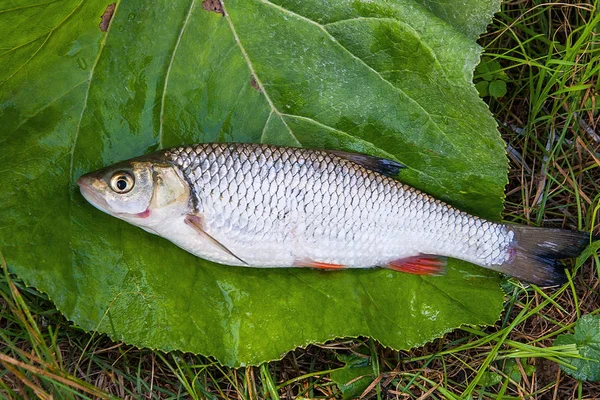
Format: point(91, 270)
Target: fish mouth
point(92, 196)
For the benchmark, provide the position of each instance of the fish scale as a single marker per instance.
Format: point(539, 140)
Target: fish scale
point(347, 214)
point(265, 206)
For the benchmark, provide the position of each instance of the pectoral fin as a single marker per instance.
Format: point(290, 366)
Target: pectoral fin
point(196, 222)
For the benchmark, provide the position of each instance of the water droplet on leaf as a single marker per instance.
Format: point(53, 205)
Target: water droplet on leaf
point(81, 62)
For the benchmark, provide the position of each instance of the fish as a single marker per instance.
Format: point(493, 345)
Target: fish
point(258, 205)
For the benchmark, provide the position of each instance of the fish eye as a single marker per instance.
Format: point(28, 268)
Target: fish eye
point(122, 182)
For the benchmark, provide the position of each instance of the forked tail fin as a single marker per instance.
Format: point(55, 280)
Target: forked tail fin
point(536, 251)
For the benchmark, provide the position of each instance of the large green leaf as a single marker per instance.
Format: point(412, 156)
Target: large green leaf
point(386, 78)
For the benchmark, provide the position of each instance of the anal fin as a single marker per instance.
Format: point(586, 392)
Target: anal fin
point(196, 222)
point(423, 264)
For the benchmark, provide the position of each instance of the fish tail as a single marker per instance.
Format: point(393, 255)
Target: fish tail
point(535, 253)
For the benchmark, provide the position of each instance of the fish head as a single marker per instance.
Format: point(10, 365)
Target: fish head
point(140, 191)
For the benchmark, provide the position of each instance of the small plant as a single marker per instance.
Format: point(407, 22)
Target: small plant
point(354, 377)
point(490, 78)
point(587, 340)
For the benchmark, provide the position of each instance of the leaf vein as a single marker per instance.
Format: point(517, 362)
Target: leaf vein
point(87, 92)
point(262, 135)
point(407, 26)
point(28, 60)
point(332, 38)
point(26, 7)
point(49, 34)
point(254, 74)
point(39, 110)
point(168, 74)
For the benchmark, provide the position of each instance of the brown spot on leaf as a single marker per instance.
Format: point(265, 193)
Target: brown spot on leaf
point(107, 16)
point(254, 83)
point(213, 6)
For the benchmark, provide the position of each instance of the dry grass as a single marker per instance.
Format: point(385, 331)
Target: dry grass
point(550, 120)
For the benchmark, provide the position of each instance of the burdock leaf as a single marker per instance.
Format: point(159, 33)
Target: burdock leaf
point(81, 87)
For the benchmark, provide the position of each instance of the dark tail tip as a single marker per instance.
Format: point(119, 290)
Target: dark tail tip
point(537, 251)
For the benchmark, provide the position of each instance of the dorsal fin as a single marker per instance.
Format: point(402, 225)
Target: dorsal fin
point(377, 164)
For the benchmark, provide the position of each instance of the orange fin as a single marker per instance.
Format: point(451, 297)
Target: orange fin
point(318, 265)
point(424, 264)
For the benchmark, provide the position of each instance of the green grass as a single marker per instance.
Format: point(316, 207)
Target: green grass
point(549, 57)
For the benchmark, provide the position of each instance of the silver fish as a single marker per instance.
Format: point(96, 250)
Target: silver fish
point(258, 205)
